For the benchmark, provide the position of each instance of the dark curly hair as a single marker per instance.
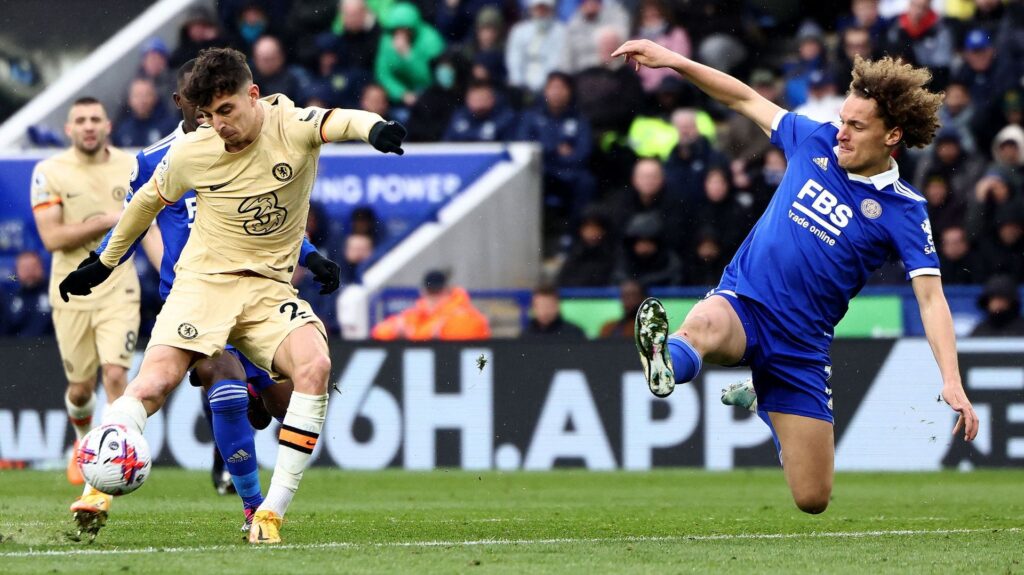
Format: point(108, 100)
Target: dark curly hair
point(217, 71)
point(899, 91)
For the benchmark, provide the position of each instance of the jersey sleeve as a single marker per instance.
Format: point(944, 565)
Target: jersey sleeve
point(140, 175)
point(170, 178)
point(43, 194)
point(305, 126)
point(912, 237)
point(790, 130)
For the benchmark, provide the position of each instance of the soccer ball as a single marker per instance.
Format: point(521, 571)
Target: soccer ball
point(114, 459)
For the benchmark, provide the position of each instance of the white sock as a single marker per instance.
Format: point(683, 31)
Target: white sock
point(126, 411)
point(299, 434)
point(80, 415)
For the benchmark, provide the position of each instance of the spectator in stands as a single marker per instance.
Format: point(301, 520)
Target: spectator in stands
point(546, 321)
point(433, 110)
point(358, 32)
point(987, 75)
point(707, 260)
point(407, 47)
point(482, 119)
point(270, 71)
point(153, 64)
point(1008, 154)
point(922, 37)
point(26, 304)
point(810, 56)
point(442, 312)
point(631, 294)
point(864, 14)
point(455, 19)
point(535, 47)
point(609, 94)
point(855, 41)
point(948, 158)
point(250, 23)
point(338, 83)
point(648, 194)
point(957, 114)
point(742, 139)
point(1004, 249)
point(1002, 21)
point(252, 18)
point(305, 27)
point(199, 30)
point(358, 249)
point(487, 51)
point(145, 121)
point(991, 192)
point(959, 264)
point(581, 50)
point(719, 211)
point(364, 220)
point(593, 255)
point(1001, 303)
point(654, 21)
point(945, 209)
point(823, 101)
point(565, 139)
point(645, 258)
point(375, 99)
point(690, 160)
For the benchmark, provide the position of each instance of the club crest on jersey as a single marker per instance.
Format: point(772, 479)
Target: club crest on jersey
point(119, 193)
point(187, 331)
point(871, 209)
point(822, 163)
point(283, 172)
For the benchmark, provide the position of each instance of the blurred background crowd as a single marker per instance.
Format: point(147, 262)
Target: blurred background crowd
point(644, 178)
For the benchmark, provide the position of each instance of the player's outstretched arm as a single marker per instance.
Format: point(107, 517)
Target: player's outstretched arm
point(342, 125)
point(719, 85)
point(938, 328)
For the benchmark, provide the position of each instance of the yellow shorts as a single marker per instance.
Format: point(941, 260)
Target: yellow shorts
point(90, 338)
point(255, 314)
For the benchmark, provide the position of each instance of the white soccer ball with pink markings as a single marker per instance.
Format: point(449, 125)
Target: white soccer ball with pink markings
point(114, 459)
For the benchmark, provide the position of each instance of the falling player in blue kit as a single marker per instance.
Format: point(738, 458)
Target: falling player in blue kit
point(227, 377)
point(839, 212)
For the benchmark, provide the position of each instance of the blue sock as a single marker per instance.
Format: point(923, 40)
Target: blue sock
point(685, 361)
point(229, 400)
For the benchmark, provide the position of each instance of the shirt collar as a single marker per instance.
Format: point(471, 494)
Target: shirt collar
point(180, 130)
point(879, 181)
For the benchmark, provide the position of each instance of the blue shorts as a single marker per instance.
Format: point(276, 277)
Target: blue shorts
point(790, 376)
point(254, 376)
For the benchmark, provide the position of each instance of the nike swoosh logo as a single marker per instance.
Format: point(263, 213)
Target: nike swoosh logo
point(310, 443)
point(259, 535)
point(216, 187)
point(70, 195)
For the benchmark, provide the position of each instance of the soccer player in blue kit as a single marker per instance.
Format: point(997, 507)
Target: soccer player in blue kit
point(224, 378)
point(839, 212)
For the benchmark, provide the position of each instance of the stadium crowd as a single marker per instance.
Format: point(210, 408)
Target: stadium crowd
point(644, 178)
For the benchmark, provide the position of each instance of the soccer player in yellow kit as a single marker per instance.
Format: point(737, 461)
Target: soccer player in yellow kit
point(77, 195)
point(252, 166)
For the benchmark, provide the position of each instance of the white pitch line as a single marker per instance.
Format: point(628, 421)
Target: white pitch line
point(490, 542)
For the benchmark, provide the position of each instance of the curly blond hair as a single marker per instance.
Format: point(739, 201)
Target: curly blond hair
point(899, 91)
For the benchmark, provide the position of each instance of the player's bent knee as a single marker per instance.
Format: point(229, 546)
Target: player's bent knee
point(79, 392)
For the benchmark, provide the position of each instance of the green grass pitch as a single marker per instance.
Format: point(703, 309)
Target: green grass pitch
point(671, 521)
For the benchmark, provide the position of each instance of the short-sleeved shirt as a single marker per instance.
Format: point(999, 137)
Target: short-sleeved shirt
point(84, 191)
point(824, 232)
point(254, 202)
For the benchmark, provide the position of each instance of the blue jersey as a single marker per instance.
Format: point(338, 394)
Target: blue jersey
point(823, 234)
point(175, 221)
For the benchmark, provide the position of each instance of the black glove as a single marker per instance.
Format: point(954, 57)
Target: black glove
point(325, 272)
point(93, 256)
point(387, 137)
point(82, 280)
